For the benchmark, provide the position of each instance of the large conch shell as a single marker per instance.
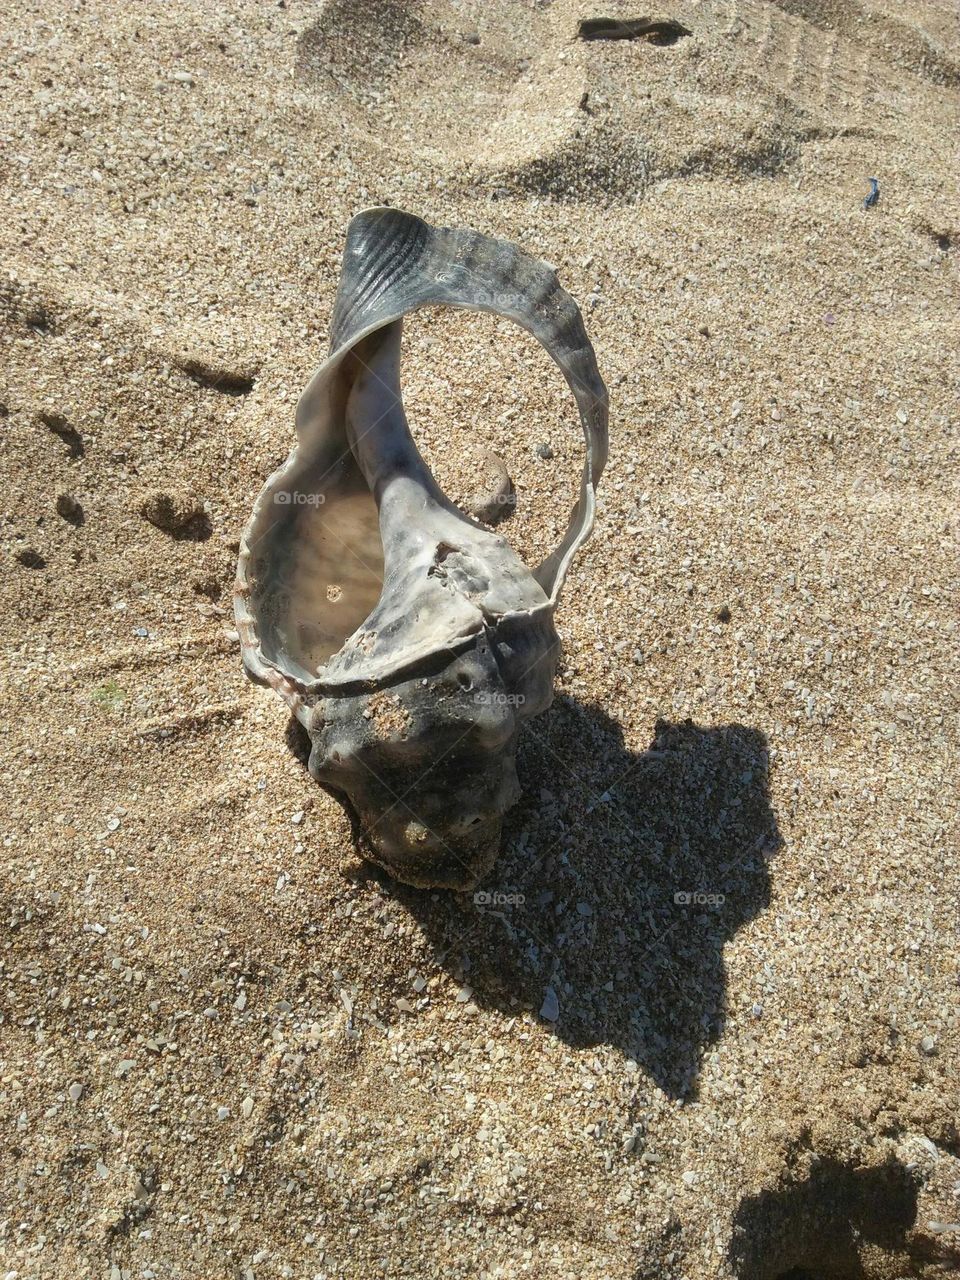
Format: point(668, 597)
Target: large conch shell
point(410, 641)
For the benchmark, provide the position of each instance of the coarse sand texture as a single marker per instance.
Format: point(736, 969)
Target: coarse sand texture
point(700, 1019)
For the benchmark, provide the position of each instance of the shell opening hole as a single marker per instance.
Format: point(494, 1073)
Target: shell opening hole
point(475, 387)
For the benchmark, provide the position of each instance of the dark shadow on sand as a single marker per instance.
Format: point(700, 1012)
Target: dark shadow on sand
point(622, 876)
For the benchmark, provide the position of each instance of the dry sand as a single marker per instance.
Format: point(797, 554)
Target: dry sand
point(229, 1048)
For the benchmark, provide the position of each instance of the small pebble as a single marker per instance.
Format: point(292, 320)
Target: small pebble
point(69, 508)
point(172, 512)
point(495, 497)
point(550, 1009)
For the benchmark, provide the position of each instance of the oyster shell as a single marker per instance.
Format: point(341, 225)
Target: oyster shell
point(408, 640)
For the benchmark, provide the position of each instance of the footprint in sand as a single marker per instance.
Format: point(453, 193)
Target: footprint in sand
point(577, 106)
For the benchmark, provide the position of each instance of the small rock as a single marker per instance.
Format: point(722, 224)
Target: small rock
point(550, 1009)
point(171, 512)
point(69, 508)
point(495, 497)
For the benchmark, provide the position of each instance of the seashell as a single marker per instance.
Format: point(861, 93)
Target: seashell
point(409, 641)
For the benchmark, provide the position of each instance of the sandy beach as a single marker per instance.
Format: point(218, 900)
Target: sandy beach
point(706, 1023)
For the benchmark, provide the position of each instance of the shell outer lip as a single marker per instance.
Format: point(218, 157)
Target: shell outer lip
point(448, 252)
